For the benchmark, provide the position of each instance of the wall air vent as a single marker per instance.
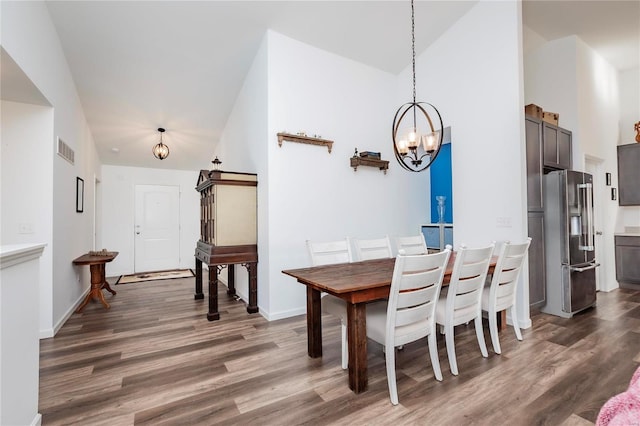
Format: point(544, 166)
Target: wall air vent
point(65, 151)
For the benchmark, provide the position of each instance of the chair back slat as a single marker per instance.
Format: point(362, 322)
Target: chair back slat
point(412, 245)
point(415, 288)
point(467, 280)
point(377, 248)
point(330, 252)
point(507, 271)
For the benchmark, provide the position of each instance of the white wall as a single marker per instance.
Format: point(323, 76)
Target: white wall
point(566, 76)
point(243, 148)
point(29, 37)
point(118, 212)
point(19, 336)
point(303, 191)
point(629, 85)
point(473, 76)
point(598, 115)
point(27, 197)
point(316, 195)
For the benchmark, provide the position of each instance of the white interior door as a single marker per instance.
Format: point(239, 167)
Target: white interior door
point(157, 228)
point(594, 167)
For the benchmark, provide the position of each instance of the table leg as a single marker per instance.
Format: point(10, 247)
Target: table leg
point(252, 268)
point(231, 280)
point(314, 323)
point(97, 281)
point(198, 294)
point(213, 294)
point(357, 331)
point(502, 320)
point(106, 285)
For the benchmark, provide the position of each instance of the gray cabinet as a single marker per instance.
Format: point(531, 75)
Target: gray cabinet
point(556, 147)
point(533, 136)
point(548, 148)
point(629, 175)
point(537, 286)
point(627, 261)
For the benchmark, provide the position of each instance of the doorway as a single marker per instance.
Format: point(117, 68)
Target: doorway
point(97, 213)
point(593, 166)
point(157, 228)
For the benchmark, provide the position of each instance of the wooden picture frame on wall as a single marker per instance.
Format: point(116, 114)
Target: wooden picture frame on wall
point(79, 195)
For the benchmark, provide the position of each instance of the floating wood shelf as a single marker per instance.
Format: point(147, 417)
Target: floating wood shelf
point(369, 162)
point(304, 139)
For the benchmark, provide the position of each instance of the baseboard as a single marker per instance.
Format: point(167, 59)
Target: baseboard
point(52, 332)
point(524, 324)
point(37, 420)
point(629, 286)
point(285, 314)
point(45, 334)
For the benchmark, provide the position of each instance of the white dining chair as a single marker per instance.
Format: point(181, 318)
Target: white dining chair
point(501, 294)
point(376, 248)
point(326, 253)
point(461, 304)
point(414, 244)
point(330, 252)
point(409, 313)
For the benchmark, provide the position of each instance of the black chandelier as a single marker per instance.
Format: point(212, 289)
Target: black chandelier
point(160, 151)
point(417, 145)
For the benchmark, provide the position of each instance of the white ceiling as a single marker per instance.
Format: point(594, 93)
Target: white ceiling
point(179, 65)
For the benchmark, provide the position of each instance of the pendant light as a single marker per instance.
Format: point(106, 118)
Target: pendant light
point(160, 151)
point(417, 126)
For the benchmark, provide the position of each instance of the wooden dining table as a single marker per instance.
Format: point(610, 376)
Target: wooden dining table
point(357, 283)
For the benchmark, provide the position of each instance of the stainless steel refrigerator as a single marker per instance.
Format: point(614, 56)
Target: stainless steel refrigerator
point(569, 243)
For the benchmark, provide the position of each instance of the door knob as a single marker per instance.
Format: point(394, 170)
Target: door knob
point(598, 232)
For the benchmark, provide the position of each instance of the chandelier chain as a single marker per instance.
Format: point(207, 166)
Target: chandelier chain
point(413, 50)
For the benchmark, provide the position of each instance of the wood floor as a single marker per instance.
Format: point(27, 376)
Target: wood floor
point(153, 358)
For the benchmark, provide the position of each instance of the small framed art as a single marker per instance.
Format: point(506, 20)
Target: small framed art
point(79, 195)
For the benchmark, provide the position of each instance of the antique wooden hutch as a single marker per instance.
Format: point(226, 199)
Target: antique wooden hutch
point(228, 233)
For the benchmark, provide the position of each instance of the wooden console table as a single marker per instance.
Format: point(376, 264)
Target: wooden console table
point(98, 279)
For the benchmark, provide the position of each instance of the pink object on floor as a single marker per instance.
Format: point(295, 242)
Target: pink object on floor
point(623, 409)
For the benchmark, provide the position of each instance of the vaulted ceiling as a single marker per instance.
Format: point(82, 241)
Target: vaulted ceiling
point(179, 65)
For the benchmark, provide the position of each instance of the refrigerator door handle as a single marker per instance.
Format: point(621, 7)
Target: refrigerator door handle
point(588, 212)
point(586, 268)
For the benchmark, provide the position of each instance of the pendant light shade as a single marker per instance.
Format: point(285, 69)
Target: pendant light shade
point(417, 129)
point(160, 151)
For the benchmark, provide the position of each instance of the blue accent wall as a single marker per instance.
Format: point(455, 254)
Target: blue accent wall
point(441, 184)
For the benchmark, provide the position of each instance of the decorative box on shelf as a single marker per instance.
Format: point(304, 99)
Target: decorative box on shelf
point(369, 159)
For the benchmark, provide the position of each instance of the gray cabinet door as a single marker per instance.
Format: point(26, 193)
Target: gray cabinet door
point(537, 287)
point(627, 256)
point(564, 149)
point(629, 174)
point(550, 145)
point(534, 164)
point(556, 147)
